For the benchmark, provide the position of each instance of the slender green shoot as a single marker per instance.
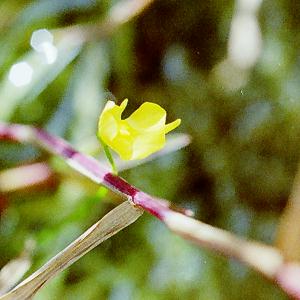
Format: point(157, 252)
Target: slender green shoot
point(109, 156)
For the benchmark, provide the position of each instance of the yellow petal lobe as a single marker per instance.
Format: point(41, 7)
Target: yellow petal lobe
point(171, 126)
point(149, 116)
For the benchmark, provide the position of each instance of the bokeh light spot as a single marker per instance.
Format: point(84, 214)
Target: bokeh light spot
point(42, 42)
point(20, 74)
point(39, 38)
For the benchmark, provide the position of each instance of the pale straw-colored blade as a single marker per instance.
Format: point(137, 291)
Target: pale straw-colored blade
point(117, 219)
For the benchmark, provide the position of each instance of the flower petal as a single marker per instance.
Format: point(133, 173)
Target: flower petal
point(109, 121)
point(146, 144)
point(171, 126)
point(108, 105)
point(148, 117)
point(138, 136)
point(123, 105)
point(123, 145)
point(107, 127)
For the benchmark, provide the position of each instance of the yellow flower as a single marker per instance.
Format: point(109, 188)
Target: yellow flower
point(138, 136)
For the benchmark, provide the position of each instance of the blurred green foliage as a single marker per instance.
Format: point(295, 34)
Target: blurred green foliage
point(236, 174)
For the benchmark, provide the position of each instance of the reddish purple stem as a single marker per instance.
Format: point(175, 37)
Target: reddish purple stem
point(120, 185)
point(86, 165)
point(154, 206)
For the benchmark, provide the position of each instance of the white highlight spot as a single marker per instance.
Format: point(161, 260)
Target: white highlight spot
point(245, 41)
point(42, 42)
point(250, 6)
point(40, 37)
point(50, 52)
point(20, 74)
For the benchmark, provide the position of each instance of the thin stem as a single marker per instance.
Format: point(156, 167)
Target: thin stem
point(108, 156)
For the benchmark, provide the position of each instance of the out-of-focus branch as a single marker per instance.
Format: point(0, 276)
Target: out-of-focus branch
point(244, 47)
point(117, 219)
point(121, 13)
point(25, 177)
point(15, 269)
point(174, 142)
point(265, 259)
point(262, 258)
point(288, 235)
